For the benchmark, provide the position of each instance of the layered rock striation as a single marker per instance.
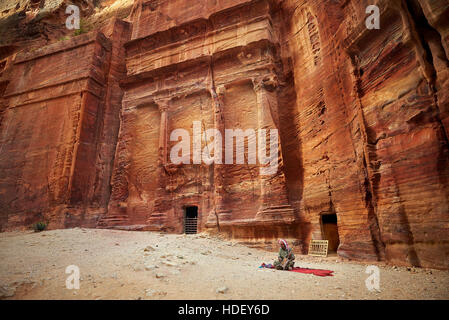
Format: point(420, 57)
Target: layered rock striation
point(89, 125)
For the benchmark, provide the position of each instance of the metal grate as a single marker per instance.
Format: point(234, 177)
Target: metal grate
point(318, 248)
point(191, 225)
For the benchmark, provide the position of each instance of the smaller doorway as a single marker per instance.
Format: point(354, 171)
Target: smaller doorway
point(191, 220)
point(330, 231)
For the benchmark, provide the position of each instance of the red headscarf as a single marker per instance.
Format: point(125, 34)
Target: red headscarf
point(284, 242)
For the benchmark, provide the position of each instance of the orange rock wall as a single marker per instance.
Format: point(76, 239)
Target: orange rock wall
point(362, 117)
point(371, 126)
point(54, 137)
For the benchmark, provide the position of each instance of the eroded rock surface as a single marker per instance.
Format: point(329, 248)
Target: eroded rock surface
point(362, 115)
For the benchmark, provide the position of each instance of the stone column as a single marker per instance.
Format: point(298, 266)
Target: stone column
point(219, 211)
point(273, 192)
point(163, 107)
point(158, 216)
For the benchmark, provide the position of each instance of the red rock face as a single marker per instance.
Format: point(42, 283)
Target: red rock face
point(372, 127)
point(58, 139)
point(362, 115)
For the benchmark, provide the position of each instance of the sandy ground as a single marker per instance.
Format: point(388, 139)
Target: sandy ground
point(115, 265)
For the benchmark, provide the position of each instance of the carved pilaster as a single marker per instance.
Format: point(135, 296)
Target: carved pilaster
point(274, 200)
point(163, 135)
point(158, 215)
point(219, 209)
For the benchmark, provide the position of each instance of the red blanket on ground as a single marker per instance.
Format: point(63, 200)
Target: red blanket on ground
point(316, 272)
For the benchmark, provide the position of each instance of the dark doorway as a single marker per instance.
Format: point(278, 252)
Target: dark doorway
point(191, 220)
point(330, 231)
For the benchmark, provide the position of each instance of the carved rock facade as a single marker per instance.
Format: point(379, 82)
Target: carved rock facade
point(362, 115)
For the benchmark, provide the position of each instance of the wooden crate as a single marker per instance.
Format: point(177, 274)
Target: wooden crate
point(318, 248)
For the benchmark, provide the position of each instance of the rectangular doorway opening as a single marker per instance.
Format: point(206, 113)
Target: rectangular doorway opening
point(191, 220)
point(330, 231)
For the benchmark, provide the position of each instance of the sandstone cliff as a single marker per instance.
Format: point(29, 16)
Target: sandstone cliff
point(362, 114)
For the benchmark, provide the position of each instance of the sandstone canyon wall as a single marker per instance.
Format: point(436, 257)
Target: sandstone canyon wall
point(362, 115)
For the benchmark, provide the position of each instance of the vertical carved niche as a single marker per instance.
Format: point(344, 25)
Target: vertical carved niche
point(309, 39)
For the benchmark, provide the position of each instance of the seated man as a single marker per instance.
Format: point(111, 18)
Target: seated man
point(286, 259)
